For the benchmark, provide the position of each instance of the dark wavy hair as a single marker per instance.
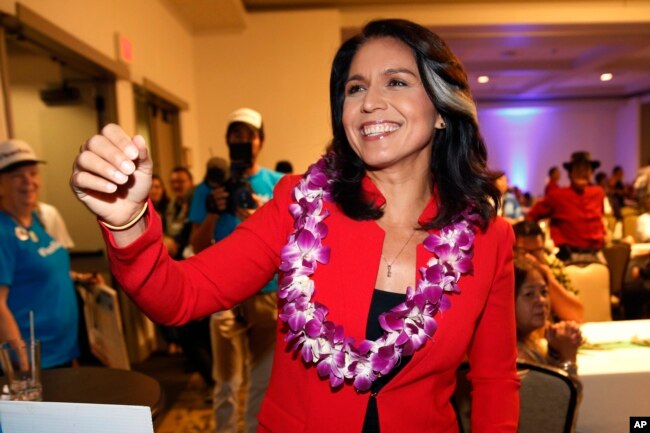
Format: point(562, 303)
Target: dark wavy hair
point(459, 157)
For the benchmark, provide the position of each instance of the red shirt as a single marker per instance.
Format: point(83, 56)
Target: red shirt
point(576, 217)
point(550, 186)
point(480, 324)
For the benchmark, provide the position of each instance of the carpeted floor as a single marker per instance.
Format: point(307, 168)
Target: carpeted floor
point(191, 412)
point(188, 405)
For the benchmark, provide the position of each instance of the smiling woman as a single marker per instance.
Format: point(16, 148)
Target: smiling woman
point(405, 185)
point(34, 267)
point(387, 113)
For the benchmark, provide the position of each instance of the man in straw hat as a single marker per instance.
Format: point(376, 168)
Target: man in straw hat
point(575, 212)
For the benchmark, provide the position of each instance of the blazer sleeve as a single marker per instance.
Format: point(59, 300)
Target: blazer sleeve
point(493, 350)
point(223, 275)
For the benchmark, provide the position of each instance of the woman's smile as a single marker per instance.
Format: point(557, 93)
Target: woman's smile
point(378, 130)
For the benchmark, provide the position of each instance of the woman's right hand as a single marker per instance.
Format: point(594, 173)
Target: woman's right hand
point(112, 175)
point(565, 338)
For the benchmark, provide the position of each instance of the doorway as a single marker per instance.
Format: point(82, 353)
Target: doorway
point(55, 106)
point(158, 122)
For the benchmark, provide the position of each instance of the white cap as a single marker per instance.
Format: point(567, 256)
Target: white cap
point(246, 115)
point(14, 151)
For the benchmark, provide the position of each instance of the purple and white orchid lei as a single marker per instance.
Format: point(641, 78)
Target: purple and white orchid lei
point(406, 326)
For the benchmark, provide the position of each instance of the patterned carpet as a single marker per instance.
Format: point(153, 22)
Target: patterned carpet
point(191, 412)
point(188, 401)
point(187, 406)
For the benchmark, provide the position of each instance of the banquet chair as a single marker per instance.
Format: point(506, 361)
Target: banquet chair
point(548, 399)
point(630, 216)
point(593, 284)
point(618, 257)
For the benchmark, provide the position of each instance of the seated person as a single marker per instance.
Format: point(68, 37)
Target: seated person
point(510, 207)
point(529, 246)
point(636, 296)
point(539, 341)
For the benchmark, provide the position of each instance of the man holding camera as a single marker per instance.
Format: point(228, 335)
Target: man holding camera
point(242, 338)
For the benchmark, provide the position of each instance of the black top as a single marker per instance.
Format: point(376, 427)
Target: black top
point(382, 301)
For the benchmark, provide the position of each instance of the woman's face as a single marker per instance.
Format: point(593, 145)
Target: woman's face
point(532, 305)
point(156, 191)
point(388, 117)
point(19, 187)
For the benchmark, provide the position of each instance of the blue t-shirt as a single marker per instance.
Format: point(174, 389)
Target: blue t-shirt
point(37, 271)
point(511, 206)
point(262, 183)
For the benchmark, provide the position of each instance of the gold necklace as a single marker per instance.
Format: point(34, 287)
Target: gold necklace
point(390, 265)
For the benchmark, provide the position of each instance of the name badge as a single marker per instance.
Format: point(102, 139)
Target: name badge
point(21, 233)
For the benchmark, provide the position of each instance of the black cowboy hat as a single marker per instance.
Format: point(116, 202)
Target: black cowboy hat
point(581, 157)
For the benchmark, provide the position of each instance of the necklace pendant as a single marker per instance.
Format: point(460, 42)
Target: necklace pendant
point(388, 274)
point(21, 233)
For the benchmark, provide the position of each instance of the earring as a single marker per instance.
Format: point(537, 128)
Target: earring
point(442, 125)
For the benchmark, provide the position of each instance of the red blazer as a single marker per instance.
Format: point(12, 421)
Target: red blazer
point(479, 325)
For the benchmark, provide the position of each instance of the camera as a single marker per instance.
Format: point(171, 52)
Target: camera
point(240, 192)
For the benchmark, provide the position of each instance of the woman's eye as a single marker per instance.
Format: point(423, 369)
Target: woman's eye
point(354, 88)
point(396, 83)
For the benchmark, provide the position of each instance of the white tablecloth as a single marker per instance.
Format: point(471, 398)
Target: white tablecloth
point(640, 249)
point(616, 376)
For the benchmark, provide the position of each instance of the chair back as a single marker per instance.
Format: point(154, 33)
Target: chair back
point(617, 256)
point(629, 227)
point(548, 399)
point(593, 284)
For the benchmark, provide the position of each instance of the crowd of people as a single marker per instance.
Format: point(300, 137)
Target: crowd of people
point(321, 291)
point(577, 218)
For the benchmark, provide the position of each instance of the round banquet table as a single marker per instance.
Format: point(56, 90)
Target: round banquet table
point(103, 386)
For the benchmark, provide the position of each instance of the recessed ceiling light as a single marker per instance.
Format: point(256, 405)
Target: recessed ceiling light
point(606, 77)
point(483, 79)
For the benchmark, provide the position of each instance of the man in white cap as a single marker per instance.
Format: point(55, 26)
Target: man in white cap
point(242, 338)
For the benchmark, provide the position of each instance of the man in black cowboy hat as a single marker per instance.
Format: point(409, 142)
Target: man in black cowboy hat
point(576, 213)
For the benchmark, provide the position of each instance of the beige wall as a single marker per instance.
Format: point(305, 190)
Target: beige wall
point(279, 66)
point(163, 47)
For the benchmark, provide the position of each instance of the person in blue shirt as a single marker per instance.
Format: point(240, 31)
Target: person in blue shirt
point(510, 207)
point(34, 267)
point(242, 338)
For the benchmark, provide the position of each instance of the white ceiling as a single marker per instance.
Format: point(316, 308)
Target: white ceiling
point(550, 61)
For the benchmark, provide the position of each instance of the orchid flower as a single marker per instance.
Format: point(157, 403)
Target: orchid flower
point(407, 326)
